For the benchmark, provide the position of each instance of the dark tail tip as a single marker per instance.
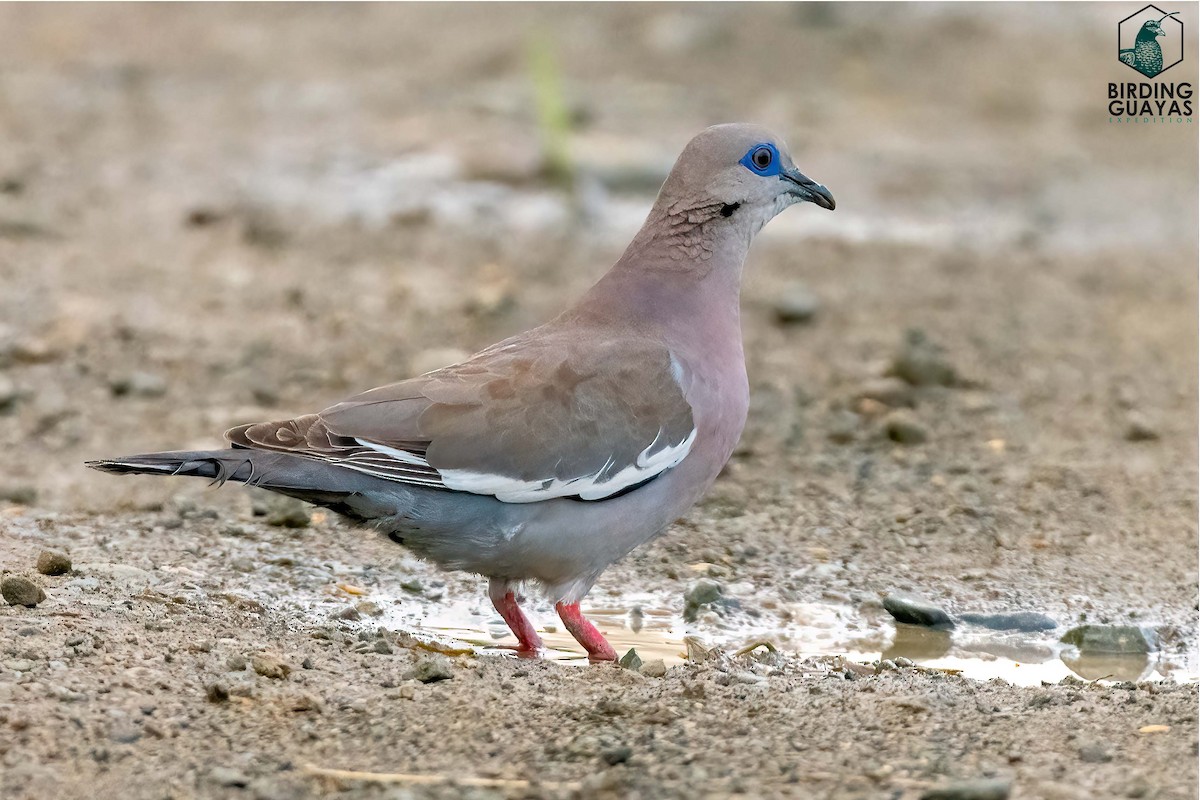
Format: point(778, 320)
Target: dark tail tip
point(205, 464)
point(136, 465)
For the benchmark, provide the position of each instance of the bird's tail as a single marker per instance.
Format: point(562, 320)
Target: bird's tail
point(307, 479)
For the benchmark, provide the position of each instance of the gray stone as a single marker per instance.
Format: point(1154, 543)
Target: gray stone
point(796, 304)
point(138, 384)
point(287, 512)
point(980, 789)
point(1025, 621)
point(18, 590)
point(891, 392)
point(51, 562)
point(228, 777)
point(703, 592)
point(655, 668)
point(9, 394)
point(1113, 639)
point(270, 667)
point(431, 669)
point(902, 426)
point(1140, 429)
point(369, 608)
point(125, 734)
point(843, 425)
point(616, 755)
point(913, 611)
point(1094, 753)
point(217, 692)
point(631, 660)
point(21, 494)
point(920, 362)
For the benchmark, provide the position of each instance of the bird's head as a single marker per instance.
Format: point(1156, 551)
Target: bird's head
point(746, 170)
point(1151, 29)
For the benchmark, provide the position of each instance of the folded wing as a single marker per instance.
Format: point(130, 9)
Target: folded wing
point(534, 418)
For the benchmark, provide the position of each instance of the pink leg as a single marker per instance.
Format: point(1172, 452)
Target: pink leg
point(585, 633)
point(505, 602)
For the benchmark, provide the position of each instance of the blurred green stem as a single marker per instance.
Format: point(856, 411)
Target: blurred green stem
point(553, 116)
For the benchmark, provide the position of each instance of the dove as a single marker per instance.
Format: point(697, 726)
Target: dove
point(545, 458)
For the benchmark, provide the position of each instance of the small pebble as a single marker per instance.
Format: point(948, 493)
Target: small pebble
point(431, 669)
point(703, 592)
point(287, 512)
point(236, 663)
point(9, 394)
point(304, 701)
point(138, 384)
point(369, 608)
point(20, 494)
point(920, 362)
point(20, 591)
point(217, 692)
point(916, 612)
point(1112, 639)
point(982, 789)
point(1025, 621)
point(51, 562)
point(843, 425)
point(631, 660)
point(270, 667)
point(616, 755)
point(226, 776)
point(1139, 429)
point(655, 668)
point(125, 734)
point(903, 427)
point(796, 304)
point(891, 392)
point(1094, 754)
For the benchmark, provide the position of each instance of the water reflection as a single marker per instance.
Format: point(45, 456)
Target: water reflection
point(657, 631)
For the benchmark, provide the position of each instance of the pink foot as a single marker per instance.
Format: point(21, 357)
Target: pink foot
point(585, 632)
point(505, 602)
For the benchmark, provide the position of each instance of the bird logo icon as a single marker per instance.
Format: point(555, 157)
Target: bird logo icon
point(1147, 54)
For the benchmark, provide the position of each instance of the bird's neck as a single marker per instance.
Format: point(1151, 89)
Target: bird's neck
point(685, 285)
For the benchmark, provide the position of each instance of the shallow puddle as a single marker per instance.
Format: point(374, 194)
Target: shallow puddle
point(816, 630)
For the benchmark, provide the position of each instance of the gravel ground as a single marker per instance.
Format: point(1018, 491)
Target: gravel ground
point(974, 383)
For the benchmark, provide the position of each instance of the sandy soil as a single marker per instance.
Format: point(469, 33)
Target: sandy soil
point(218, 215)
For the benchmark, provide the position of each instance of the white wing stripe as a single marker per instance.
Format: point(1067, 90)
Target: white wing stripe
point(513, 490)
point(400, 455)
point(588, 487)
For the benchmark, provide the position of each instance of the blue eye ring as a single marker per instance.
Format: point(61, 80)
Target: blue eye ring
point(762, 159)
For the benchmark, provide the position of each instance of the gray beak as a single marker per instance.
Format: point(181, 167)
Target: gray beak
point(807, 189)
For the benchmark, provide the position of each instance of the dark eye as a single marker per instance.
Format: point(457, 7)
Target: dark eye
point(762, 157)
